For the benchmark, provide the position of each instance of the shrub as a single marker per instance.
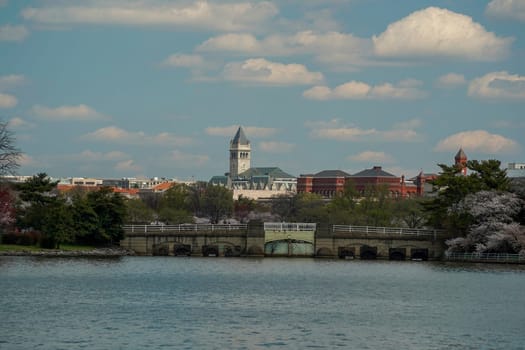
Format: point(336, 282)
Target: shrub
point(47, 242)
point(29, 238)
point(10, 238)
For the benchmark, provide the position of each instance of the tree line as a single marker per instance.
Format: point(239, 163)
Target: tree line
point(484, 210)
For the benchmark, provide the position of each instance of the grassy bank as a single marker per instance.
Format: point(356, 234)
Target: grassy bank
point(32, 248)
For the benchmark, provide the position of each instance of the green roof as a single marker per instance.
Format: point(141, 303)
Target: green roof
point(219, 180)
point(374, 172)
point(273, 172)
point(332, 173)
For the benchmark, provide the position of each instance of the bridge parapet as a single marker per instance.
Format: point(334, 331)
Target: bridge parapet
point(389, 232)
point(289, 226)
point(184, 228)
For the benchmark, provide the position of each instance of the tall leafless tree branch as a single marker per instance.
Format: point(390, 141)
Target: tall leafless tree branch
point(9, 153)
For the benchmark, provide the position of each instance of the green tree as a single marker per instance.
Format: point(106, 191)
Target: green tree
point(374, 208)
point(311, 207)
point(85, 219)
point(175, 197)
point(37, 195)
point(242, 207)
point(42, 209)
point(57, 224)
point(195, 198)
point(489, 175)
point(111, 213)
point(451, 188)
point(173, 216)
point(217, 203)
point(284, 207)
point(342, 208)
point(174, 205)
point(409, 213)
point(137, 212)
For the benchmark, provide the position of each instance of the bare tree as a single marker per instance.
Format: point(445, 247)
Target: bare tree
point(9, 153)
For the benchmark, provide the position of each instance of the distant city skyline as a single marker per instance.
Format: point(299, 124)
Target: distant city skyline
point(112, 89)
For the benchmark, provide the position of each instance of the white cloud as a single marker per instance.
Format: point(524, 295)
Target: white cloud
point(19, 123)
point(127, 165)
point(506, 9)
point(188, 160)
point(372, 157)
point(338, 131)
point(10, 81)
point(498, 85)
point(339, 50)
point(304, 42)
point(117, 135)
point(451, 80)
point(27, 160)
point(73, 113)
point(276, 147)
point(7, 101)
point(89, 155)
point(435, 32)
point(251, 131)
point(408, 124)
point(261, 71)
point(13, 33)
point(356, 90)
point(477, 141)
point(183, 60)
point(199, 14)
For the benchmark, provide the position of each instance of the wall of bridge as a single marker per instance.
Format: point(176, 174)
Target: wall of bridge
point(330, 244)
point(251, 240)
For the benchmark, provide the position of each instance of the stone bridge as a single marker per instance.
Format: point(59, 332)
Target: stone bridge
point(286, 239)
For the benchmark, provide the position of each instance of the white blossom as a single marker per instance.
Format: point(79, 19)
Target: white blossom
point(493, 229)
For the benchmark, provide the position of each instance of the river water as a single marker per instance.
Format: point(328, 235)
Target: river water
point(272, 303)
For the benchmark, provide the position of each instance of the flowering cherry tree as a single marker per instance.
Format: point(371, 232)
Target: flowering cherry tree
point(7, 207)
point(493, 228)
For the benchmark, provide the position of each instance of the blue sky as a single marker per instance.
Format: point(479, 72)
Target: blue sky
point(114, 88)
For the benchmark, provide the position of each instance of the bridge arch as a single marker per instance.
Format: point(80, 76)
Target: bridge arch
point(419, 254)
point(347, 252)
point(181, 249)
point(324, 252)
point(160, 249)
point(289, 247)
point(397, 254)
point(367, 252)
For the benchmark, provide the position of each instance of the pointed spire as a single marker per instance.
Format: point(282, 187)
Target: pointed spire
point(240, 137)
point(460, 155)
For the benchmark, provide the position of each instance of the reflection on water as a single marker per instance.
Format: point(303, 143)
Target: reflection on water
point(210, 303)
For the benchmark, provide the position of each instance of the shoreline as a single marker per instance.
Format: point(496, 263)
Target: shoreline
point(97, 252)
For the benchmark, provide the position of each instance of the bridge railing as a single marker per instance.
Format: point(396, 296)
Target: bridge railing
point(184, 228)
point(486, 257)
point(289, 226)
point(387, 231)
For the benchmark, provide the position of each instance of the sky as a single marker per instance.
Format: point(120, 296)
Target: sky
point(114, 88)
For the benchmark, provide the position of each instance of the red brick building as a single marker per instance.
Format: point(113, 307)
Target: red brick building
point(397, 187)
point(329, 182)
point(325, 183)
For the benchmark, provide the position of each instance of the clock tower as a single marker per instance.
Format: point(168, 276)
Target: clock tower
point(240, 153)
